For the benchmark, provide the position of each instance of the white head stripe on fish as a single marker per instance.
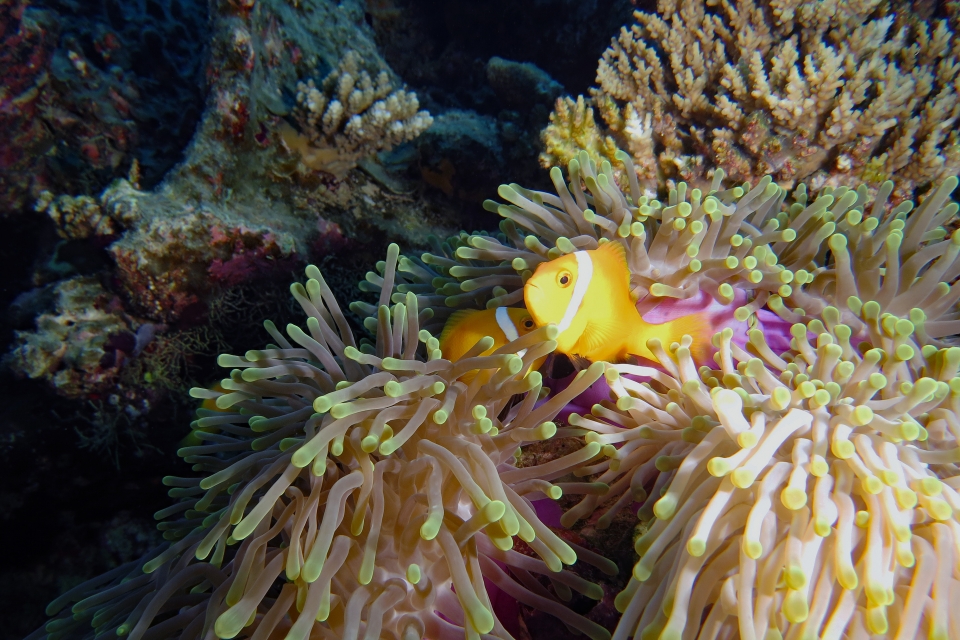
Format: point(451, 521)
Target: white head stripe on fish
point(585, 267)
point(509, 329)
point(506, 324)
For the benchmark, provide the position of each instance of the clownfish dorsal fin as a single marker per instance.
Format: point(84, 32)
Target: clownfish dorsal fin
point(614, 255)
point(615, 251)
point(453, 322)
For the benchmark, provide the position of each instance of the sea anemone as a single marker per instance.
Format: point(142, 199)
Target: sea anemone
point(807, 494)
point(806, 484)
point(341, 494)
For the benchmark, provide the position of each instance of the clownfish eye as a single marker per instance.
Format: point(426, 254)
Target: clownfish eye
point(528, 324)
point(564, 278)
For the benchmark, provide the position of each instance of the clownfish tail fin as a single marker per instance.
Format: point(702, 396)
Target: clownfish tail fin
point(699, 328)
point(695, 325)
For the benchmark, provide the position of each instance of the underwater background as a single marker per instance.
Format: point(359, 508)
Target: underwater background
point(104, 83)
point(169, 167)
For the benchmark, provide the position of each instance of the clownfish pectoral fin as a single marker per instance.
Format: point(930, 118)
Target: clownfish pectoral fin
point(579, 362)
point(596, 338)
point(454, 321)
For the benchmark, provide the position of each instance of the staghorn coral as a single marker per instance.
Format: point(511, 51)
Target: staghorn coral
point(572, 129)
point(366, 483)
point(351, 115)
point(826, 93)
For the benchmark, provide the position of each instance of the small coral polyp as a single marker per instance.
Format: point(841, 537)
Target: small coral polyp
point(343, 491)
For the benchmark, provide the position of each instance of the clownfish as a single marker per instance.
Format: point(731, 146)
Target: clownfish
point(587, 295)
point(465, 328)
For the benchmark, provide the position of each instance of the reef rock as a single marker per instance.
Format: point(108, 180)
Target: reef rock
point(261, 182)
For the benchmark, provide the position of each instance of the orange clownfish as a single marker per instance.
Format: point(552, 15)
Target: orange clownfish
point(587, 295)
point(465, 328)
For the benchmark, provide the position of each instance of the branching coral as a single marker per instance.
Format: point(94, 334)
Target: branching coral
point(817, 92)
point(342, 493)
point(352, 115)
point(573, 129)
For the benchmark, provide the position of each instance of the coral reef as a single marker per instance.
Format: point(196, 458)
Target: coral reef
point(351, 116)
point(171, 265)
point(572, 129)
point(461, 155)
point(162, 46)
point(823, 93)
point(81, 217)
point(27, 48)
point(373, 480)
point(171, 259)
point(790, 469)
point(831, 463)
point(243, 202)
point(558, 36)
point(511, 77)
point(80, 346)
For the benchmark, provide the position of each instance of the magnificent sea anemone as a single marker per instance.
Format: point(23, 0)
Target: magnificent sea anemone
point(805, 483)
point(801, 484)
